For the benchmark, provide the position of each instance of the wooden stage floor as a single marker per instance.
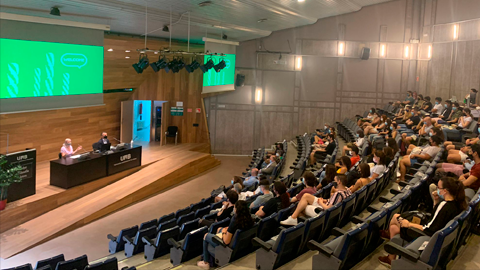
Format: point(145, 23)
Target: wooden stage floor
point(162, 167)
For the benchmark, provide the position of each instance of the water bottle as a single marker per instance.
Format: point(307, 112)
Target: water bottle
point(131, 143)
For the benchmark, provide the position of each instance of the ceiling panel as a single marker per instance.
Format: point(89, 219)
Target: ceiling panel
point(238, 19)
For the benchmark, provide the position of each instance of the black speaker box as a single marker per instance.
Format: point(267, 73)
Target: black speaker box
point(365, 54)
point(240, 80)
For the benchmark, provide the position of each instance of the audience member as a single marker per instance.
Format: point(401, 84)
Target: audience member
point(379, 167)
point(266, 194)
point(463, 122)
point(319, 203)
point(343, 165)
point(355, 157)
point(415, 119)
point(391, 142)
point(327, 176)
point(225, 211)
point(427, 126)
point(438, 108)
point(359, 142)
point(389, 155)
point(471, 180)
point(242, 220)
point(371, 115)
point(472, 98)
point(394, 131)
point(252, 179)
point(328, 150)
point(309, 181)
point(449, 201)
point(280, 201)
point(427, 105)
point(364, 179)
point(419, 102)
point(426, 153)
point(445, 113)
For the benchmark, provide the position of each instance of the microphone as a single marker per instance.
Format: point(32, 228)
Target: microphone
point(117, 140)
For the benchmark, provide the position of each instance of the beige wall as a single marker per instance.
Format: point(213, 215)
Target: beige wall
point(330, 88)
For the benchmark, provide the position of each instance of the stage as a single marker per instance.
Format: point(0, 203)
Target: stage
point(53, 211)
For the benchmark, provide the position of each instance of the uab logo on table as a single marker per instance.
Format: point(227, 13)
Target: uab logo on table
point(125, 157)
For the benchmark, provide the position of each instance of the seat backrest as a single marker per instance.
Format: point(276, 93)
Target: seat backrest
point(288, 242)
point(284, 213)
point(77, 263)
point(463, 220)
point(148, 224)
point(314, 227)
point(439, 245)
point(53, 261)
point(46, 267)
point(370, 191)
point(148, 232)
point(475, 205)
point(166, 218)
point(185, 218)
point(188, 227)
point(216, 205)
point(167, 225)
point(161, 242)
point(194, 207)
point(347, 211)
point(361, 196)
point(109, 264)
point(267, 227)
point(327, 190)
point(241, 243)
point(219, 224)
point(392, 208)
point(21, 267)
point(172, 130)
point(352, 242)
point(202, 212)
point(192, 246)
point(332, 218)
point(182, 212)
point(376, 222)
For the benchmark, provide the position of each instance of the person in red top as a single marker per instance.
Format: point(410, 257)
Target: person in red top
point(309, 180)
point(354, 153)
point(471, 180)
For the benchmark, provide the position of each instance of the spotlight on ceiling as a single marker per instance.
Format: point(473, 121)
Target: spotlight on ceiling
point(175, 65)
point(159, 65)
point(55, 11)
point(220, 66)
point(192, 66)
point(207, 66)
point(180, 65)
point(165, 28)
point(142, 64)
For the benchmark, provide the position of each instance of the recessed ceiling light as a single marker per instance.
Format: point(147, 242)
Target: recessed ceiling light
point(110, 50)
point(155, 52)
point(205, 3)
point(262, 20)
point(127, 50)
point(128, 57)
point(301, 1)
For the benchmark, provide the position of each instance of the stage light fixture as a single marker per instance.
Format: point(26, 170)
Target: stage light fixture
point(207, 66)
point(165, 28)
point(192, 66)
point(221, 65)
point(180, 65)
point(159, 65)
point(142, 64)
point(171, 65)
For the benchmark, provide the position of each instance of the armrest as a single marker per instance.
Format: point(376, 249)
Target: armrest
point(146, 240)
point(127, 239)
point(395, 191)
point(403, 183)
point(393, 248)
point(314, 245)
point(259, 242)
point(338, 232)
point(219, 241)
point(372, 209)
point(384, 199)
point(357, 220)
point(280, 229)
point(173, 243)
point(111, 237)
point(415, 233)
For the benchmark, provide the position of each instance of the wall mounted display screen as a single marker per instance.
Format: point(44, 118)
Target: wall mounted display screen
point(224, 79)
point(43, 69)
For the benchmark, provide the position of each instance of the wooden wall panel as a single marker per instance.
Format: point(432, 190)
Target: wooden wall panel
point(275, 126)
point(233, 133)
point(47, 130)
point(311, 118)
point(466, 73)
point(173, 87)
point(439, 77)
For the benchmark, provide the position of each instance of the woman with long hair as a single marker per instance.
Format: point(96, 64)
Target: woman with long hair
point(364, 170)
point(242, 220)
point(448, 200)
point(391, 142)
point(343, 165)
point(279, 202)
point(379, 167)
point(327, 176)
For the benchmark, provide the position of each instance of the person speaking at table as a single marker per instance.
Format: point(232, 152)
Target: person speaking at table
point(67, 149)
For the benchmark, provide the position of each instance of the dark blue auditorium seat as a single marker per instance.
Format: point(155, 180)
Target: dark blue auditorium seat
point(77, 263)
point(52, 262)
point(109, 264)
point(188, 248)
point(135, 245)
point(240, 245)
point(117, 243)
point(159, 246)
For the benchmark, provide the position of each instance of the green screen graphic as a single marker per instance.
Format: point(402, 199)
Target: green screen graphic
point(38, 69)
point(226, 76)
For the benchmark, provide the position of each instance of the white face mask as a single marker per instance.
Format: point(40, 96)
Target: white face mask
point(386, 144)
point(350, 153)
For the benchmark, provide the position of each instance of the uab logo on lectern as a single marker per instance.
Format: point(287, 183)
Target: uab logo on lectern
point(125, 157)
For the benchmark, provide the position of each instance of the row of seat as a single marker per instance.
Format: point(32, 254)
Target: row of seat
point(81, 263)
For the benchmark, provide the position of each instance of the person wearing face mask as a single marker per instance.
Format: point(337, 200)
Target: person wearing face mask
point(252, 179)
point(322, 151)
point(103, 141)
point(471, 180)
point(393, 131)
point(426, 153)
point(441, 117)
point(409, 100)
point(67, 149)
point(415, 119)
point(427, 106)
point(471, 98)
point(308, 181)
point(354, 157)
point(448, 201)
point(369, 118)
point(379, 167)
point(266, 194)
point(427, 127)
point(463, 122)
point(364, 179)
point(455, 114)
point(310, 203)
point(438, 108)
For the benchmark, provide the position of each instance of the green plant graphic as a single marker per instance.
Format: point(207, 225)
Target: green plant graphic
point(50, 73)
point(66, 83)
point(36, 85)
point(12, 87)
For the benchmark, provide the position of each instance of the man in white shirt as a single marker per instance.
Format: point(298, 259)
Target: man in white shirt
point(438, 108)
point(427, 153)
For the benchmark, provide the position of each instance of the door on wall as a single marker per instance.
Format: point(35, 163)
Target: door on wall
point(142, 110)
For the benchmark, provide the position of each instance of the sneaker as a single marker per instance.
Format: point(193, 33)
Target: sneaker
point(384, 260)
point(203, 265)
point(289, 221)
point(384, 234)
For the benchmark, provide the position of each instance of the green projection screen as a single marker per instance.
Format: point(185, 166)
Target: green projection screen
point(223, 80)
point(43, 69)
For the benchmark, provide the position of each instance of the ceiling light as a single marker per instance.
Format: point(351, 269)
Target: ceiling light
point(382, 50)
point(55, 11)
point(455, 31)
point(406, 52)
point(220, 66)
point(127, 50)
point(142, 64)
point(128, 57)
point(429, 53)
point(192, 66)
point(155, 52)
point(165, 28)
point(298, 65)
point(110, 50)
point(159, 65)
point(301, 1)
point(341, 48)
point(205, 3)
point(262, 20)
point(207, 66)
